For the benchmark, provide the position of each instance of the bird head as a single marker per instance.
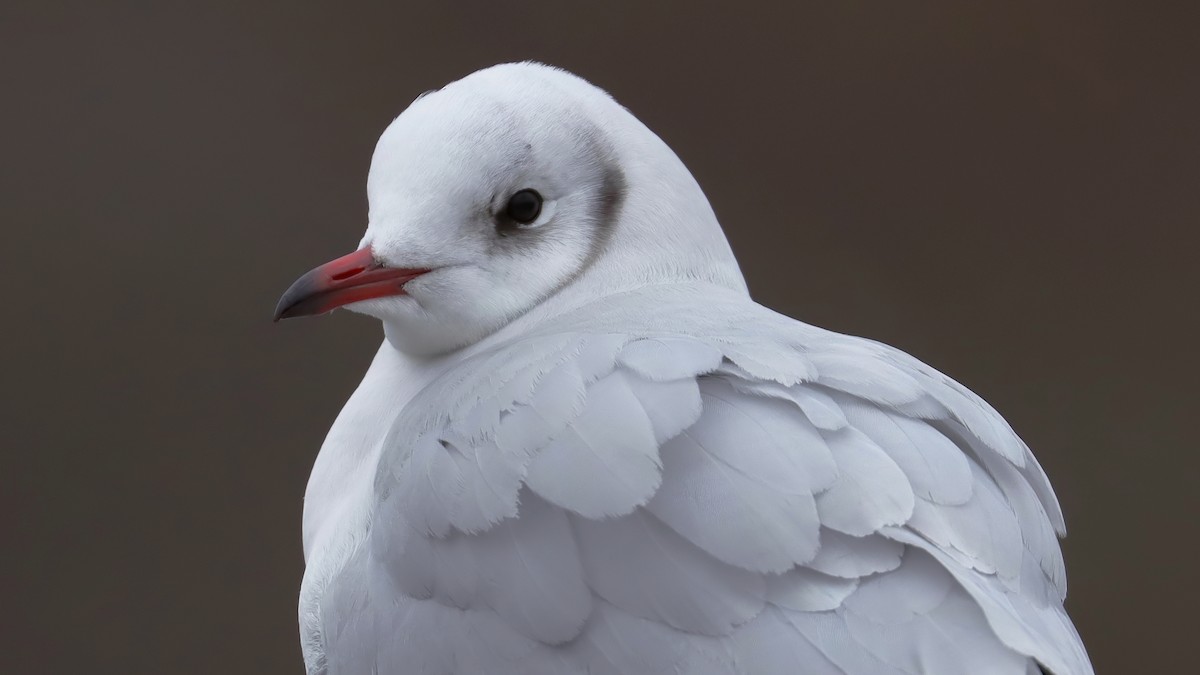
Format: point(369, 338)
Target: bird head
point(495, 193)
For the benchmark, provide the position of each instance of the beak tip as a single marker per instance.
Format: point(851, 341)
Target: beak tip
point(284, 311)
point(294, 298)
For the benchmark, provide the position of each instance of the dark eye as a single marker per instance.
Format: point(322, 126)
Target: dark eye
point(524, 206)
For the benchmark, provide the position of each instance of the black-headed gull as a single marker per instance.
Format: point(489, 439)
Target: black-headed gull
point(582, 447)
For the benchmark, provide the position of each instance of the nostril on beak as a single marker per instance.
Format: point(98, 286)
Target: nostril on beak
point(348, 273)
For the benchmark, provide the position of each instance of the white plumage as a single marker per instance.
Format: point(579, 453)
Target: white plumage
point(584, 449)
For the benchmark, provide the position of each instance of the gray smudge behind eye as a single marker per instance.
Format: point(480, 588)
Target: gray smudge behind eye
point(603, 203)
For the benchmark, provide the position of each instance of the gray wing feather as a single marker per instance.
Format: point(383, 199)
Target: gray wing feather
point(597, 502)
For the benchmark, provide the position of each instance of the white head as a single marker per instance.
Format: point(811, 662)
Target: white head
point(514, 185)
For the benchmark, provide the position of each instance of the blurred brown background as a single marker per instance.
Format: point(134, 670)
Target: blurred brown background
point(1006, 189)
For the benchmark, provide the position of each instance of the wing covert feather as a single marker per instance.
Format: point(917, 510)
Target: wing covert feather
point(636, 501)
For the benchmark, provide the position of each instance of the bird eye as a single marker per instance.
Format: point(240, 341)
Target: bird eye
point(524, 206)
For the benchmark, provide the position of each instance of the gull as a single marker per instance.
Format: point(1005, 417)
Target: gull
point(583, 448)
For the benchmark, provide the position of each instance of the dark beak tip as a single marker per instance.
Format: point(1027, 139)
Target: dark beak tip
point(294, 297)
point(286, 309)
point(281, 308)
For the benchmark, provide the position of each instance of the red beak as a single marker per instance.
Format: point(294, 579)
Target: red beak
point(348, 279)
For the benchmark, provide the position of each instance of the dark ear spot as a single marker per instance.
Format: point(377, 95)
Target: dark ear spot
point(607, 206)
point(612, 194)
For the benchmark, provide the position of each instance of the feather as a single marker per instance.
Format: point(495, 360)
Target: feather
point(805, 590)
point(733, 422)
point(771, 645)
point(605, 462)
point(936, 468)
point(913, 589)
point(492, 481)
point(492, 471)
point(532, 574)
point(736, 516)
point(863, 375)
point(849, 557)
point(871, 491)
point(1043, 633)
point(493, 647)
point(413, 640)
point(1036, 476)
point(671, 406)
point(739, 482)
point(924, 408)
point(665, 359)
point(827, 632)
point(819, 407)
point(981, 420)
point(1037, 532)
point(950, 639)
point(770, 361)
point(508, 376)
point(412, 636)
point(919, 620)
point(430, 485)
point(598, 356)
point(619, 643)
point(527, 569)
point(644, 568)
point(985, 529)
